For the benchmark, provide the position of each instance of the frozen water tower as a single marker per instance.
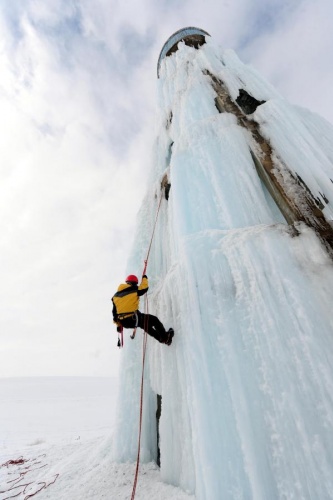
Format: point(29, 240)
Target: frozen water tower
point(297, 197)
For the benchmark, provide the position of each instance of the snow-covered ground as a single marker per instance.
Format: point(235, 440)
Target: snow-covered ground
point(55, 410)
point(62, 428)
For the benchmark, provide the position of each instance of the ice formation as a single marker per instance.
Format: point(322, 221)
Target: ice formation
point(247, 385)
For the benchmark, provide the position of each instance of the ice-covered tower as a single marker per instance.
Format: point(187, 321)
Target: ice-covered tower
point(237, 268)
point(297, 190)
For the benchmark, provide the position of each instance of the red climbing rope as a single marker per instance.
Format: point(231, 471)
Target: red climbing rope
point(144, 347)
point(152, 236)
point(20, 485)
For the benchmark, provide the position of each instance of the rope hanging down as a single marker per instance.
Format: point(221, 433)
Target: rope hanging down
point(152, 236)
point(144, 347)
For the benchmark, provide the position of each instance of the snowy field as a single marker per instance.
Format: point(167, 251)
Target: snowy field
point(55, 410)
point(59, 430)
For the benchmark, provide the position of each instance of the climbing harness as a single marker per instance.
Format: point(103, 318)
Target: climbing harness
point(144, 346)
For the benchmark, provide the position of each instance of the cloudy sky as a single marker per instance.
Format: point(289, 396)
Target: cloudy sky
point(77, 115)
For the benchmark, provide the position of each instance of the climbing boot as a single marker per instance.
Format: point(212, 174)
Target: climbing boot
point(170, 334)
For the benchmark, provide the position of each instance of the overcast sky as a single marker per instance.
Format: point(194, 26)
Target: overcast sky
point(77, 116)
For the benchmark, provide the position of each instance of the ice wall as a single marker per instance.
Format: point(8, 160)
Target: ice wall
point(247, 385)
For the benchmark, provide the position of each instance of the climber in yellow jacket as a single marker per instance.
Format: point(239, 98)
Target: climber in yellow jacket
point(126, 312)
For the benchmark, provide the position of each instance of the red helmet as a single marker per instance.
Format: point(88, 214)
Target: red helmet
point(132, 279)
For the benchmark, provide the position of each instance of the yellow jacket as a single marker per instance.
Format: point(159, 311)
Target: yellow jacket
point(126, 299)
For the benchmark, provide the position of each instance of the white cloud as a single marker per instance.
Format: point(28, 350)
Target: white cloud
point(62, 185)
point(296, 55)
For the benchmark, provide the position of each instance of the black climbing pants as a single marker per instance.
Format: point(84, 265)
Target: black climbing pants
point(151, 324)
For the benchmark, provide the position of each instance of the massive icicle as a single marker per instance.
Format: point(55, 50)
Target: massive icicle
point(247, 385)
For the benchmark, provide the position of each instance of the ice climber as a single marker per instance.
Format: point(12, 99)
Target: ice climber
point(126, 314)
